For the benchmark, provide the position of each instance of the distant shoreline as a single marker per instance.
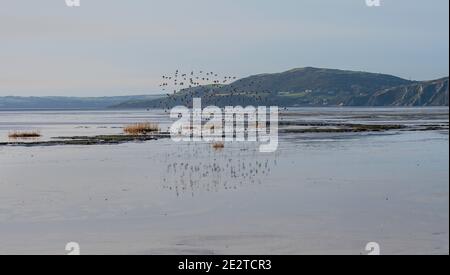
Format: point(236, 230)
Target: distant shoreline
point(150, 109)
point(301, 87)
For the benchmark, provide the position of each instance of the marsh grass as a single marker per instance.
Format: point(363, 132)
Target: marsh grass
point(141, 128)
point(218, 145)
point(24, 134)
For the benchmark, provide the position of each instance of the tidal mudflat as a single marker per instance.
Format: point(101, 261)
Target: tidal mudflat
point(328, 189)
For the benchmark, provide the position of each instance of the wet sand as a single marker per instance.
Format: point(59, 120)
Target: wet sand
point(320, 193)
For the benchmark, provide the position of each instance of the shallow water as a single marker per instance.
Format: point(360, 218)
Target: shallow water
point(318, 193)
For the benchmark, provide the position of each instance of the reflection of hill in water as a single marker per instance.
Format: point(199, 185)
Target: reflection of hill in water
point(200, 168)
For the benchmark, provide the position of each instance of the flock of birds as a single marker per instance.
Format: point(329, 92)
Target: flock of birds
point(189, 170)
point(181, 88)
point(180, 81)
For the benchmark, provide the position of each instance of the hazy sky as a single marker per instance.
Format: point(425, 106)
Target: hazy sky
point(118, 47)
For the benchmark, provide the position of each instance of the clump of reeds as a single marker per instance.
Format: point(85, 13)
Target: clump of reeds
point(24, 134)
point(141, 128)
point(218, 145)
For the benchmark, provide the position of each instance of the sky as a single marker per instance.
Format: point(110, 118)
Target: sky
point(117, 47)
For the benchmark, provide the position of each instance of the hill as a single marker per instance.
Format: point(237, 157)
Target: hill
point(15, 102)
point(426, 93)
point(311, 87)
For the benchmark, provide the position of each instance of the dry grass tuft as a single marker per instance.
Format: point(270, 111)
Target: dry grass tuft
point(141, 128)
point(218, 145)
point(24, 134)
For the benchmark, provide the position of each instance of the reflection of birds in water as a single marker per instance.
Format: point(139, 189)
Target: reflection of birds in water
point(212, 88)
point(197, 168)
